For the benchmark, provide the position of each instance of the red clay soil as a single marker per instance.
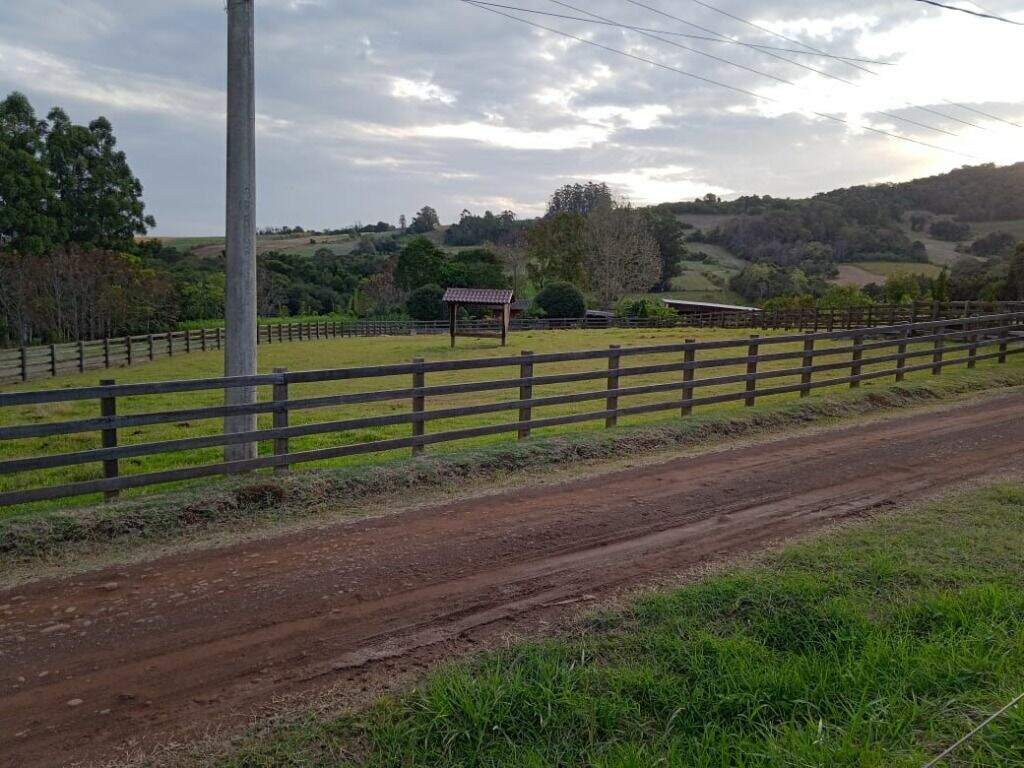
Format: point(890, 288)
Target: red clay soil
point(119, 660)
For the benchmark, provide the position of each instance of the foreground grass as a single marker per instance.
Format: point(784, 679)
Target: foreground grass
point(337, 353)
point(877, 646)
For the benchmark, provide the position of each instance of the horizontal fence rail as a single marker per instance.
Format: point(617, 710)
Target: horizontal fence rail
point(20, 364)
point(606, 384)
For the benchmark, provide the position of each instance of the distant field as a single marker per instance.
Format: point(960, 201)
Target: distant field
point(894, 268)
point(707, 280)
point(704, 220)
point(862, 273)
point(1014, 227)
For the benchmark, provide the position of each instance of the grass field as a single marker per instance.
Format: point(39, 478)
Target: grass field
point(875, 647)
point(706, 280)
point(888, 269)
point(337, 353)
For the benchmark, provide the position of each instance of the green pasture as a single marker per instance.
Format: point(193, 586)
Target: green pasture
point(350, 352)
point(887, 269)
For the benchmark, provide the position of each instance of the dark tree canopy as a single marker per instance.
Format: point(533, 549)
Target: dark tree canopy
point(63, 184)
point(425, 302)
point(424, 221)
point(560, 299)
point(419, 263)
point(581, 199)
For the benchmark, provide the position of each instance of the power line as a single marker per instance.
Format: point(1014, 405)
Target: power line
point(703, 38)
point(984, 114)
point(708, 80)
point(680, 45)
point(979, 14)
point(808, 47)
point(890, 115)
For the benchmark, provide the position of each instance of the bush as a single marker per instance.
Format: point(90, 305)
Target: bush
point(643, 308)
point(561, 300)
point(425, 302)
point(947, 229)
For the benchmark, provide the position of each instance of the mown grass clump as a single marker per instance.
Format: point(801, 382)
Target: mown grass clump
point(876, 646)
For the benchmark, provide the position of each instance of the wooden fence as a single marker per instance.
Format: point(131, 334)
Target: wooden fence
point(857, 355)
point(30, 363)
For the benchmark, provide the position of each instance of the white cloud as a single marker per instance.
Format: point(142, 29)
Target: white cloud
point(658, 184)
point(505, 137)
point(420, 90)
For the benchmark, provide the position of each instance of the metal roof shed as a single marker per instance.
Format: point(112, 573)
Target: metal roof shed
point(499, 299)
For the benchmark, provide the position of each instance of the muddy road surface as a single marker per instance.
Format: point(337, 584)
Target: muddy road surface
point(99, 665)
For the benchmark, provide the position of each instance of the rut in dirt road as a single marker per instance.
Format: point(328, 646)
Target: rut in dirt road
point(130, 657)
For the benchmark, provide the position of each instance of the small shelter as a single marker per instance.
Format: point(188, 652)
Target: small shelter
point(498, 300)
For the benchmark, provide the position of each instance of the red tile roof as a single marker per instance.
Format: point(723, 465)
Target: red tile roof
point(478, 296)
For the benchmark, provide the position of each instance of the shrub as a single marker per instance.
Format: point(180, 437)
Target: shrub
point(643, 308)
point(425, 302)
point(561, 300)
point(947, 229)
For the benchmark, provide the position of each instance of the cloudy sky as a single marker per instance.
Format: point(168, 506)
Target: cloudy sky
point(371, 109)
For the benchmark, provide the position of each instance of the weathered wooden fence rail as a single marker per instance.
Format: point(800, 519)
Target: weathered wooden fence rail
point(30, 363)
point(858, 355)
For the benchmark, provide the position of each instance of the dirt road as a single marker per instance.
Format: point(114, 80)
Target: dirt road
point(129, 657)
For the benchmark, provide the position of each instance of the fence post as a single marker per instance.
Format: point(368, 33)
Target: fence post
point(280, 396)
point(170, 343)
point(81, 356)
point(612, 402)
point(53, 359)
point(807, 362)
point(972, 339)
point(1003, 335)
point(855, 367)
point(202, 338)
point(106, 352)
point(220, 337)
point(937, 354)
point(108, 408)
point(152, 351)
point(901, 355)
point(525, 392)
point(418, 402)
point(24, 364)
point(128, 350)
point(751, 371)
point(689, 357)
point(188, 341)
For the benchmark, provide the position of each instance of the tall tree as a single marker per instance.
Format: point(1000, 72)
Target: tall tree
point(28, 221)
point(100, 199)
point(424, 221)
point(555, 247)
point(582, 199)
point(419, 263)
point(621, 256)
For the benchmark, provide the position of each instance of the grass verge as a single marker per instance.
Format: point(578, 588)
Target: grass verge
point(875, 646)
point(243, 503)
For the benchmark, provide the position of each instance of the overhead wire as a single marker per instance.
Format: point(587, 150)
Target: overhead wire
point(797, 63)
point(890, 115)
point(708, 80)
point(703, 38)
point(794, 41)
point(979, 14)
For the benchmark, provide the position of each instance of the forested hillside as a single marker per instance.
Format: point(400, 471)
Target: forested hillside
point(75, 262)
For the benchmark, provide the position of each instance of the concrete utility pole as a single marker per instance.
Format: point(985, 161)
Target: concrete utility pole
point(240, 298)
